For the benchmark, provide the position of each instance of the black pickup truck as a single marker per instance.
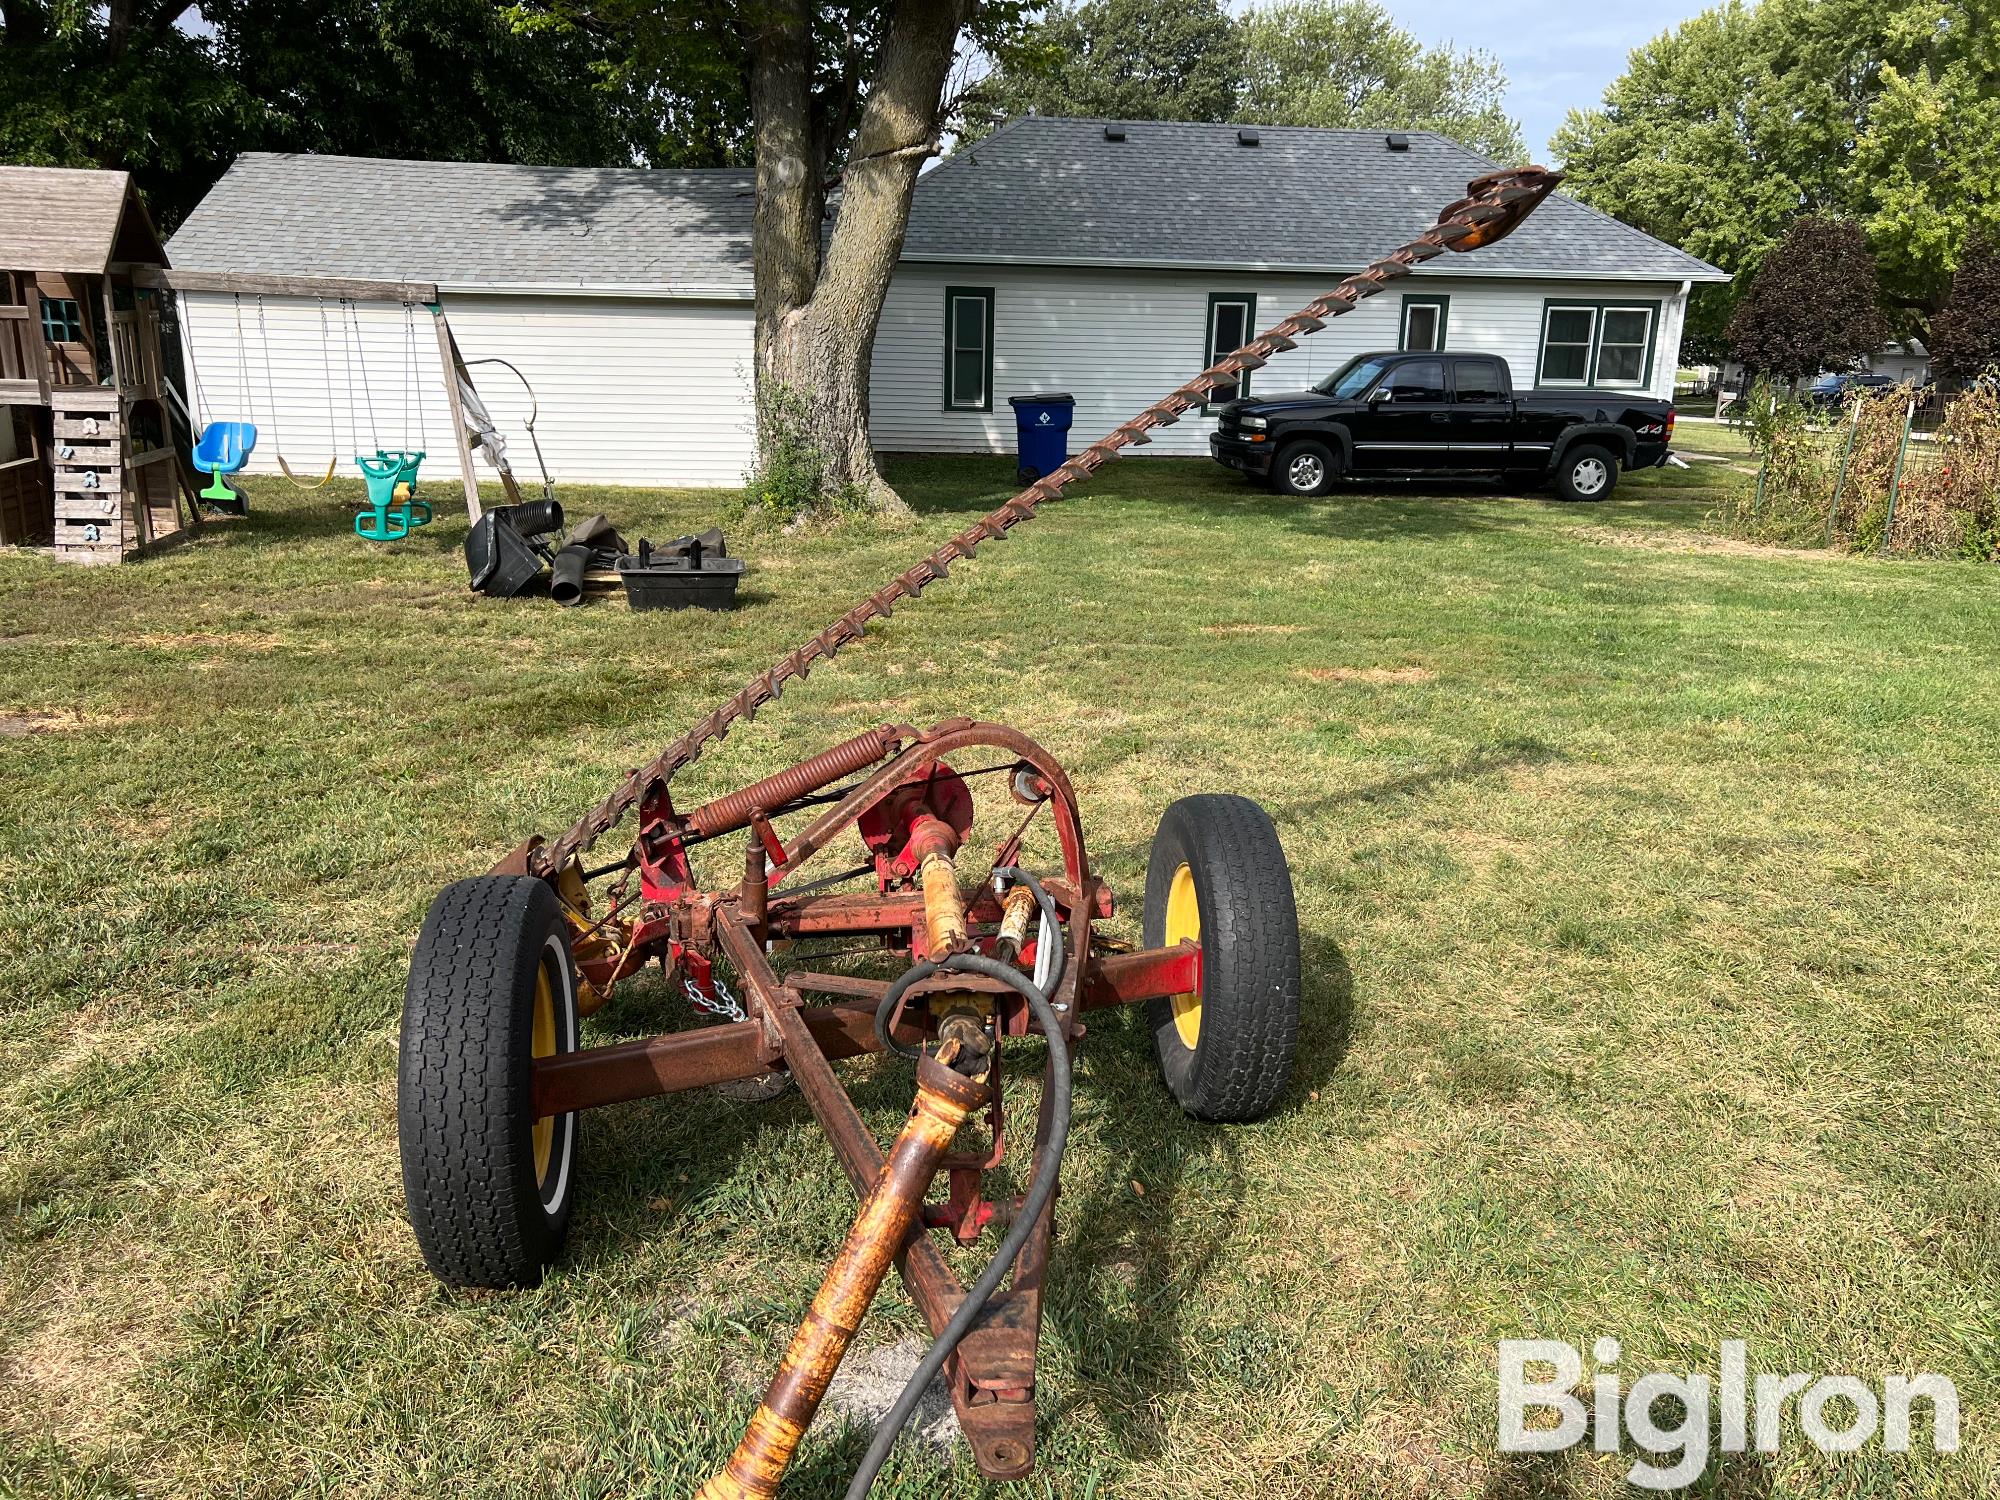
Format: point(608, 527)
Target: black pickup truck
point(1442, 414)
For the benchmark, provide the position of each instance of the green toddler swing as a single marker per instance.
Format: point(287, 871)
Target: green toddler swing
point(394, 509)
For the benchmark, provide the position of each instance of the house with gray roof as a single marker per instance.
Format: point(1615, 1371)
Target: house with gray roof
point(1106, 259)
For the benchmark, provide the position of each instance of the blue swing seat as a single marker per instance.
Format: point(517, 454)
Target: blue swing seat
point(224, 448)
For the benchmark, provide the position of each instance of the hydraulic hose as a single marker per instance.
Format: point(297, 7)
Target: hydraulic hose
point(1041, 1187)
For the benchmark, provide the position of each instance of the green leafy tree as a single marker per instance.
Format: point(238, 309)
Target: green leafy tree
point(1965, 335)
point(1927, 167)
point(1724, 130)
point(118, 86)
point(132, 86)
point(1119, 59)
point(1345, 63)
point(1814, 304)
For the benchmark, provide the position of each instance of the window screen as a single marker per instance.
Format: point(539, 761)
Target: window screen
point(1477, 380)
point(1229, 321)
point(1419, 380)
point(1566, 339)
point(969, 348)
point(1621, 349)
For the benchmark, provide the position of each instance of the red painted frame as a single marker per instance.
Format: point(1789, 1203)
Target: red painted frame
point(686, 928)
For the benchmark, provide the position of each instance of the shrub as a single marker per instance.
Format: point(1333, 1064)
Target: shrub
point(789, 482)
point(1814, 304)
point(1965, 335)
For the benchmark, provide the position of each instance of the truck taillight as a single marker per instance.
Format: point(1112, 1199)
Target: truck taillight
point(1670, 424)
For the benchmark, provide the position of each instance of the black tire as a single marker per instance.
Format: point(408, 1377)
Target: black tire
point(1246, 1015)
point(1587, 472)
point(1305, 468)
point(489, 1203)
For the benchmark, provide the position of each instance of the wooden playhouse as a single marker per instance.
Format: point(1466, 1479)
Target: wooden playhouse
point(89, 463)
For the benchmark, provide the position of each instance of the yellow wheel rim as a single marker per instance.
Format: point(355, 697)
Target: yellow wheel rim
point(1184, 921)
point(543, 1044)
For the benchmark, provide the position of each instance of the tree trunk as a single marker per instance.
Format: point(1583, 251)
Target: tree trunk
point(815, 334)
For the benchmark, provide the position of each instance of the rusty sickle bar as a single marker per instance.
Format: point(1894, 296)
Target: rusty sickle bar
point(1493, 207)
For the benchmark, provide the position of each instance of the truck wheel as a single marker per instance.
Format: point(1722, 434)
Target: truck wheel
point(1305, 468)
point(1586, 472)
point(1217, 874)
point(492, 987)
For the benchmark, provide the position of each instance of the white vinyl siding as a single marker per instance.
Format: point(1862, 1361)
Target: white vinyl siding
point(1119, 340)
point(632, 390)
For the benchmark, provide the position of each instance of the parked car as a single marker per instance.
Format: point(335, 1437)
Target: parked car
point(1833, 392)
point(1442, 414)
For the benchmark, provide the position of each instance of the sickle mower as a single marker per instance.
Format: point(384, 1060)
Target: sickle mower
point(493, 1075)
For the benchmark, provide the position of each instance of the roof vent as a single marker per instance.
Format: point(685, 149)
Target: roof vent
point(1396, 141)
point(1114, 132)
point(1247, 136)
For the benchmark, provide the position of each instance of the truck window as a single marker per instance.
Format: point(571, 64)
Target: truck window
point(1477, 380)
point(1352, 378)
point(1419, 380)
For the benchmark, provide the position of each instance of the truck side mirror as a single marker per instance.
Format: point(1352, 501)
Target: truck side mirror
point(1377, 396)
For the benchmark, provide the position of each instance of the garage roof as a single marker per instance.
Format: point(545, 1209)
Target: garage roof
point(476, 224)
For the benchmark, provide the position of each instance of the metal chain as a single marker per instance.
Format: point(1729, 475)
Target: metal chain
point(1493, 206)
point(724, 1004)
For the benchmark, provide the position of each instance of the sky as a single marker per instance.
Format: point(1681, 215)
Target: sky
point(1558, 56)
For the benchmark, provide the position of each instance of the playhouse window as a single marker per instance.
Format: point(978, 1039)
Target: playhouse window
point(62, 320)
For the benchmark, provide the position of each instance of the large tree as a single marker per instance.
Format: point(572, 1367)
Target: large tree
point(1814, 304)
point(1338, 63)
point(1723, 131)
point(844, 103)
point(1346, 63)
point(1118, 59)
point(145, 88)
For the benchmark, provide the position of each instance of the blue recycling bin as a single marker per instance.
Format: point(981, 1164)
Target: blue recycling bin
point(1041, 431)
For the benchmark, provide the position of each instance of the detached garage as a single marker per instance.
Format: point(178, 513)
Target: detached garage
point(623, 297)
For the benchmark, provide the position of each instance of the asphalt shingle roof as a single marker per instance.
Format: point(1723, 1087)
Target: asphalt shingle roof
point(1053, 191)
point(475, 224)
point(1040, 190)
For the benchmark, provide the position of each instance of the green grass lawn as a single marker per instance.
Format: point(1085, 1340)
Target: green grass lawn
point(1647, 885)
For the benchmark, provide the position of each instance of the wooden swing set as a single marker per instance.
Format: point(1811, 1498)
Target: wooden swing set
point(394, 509)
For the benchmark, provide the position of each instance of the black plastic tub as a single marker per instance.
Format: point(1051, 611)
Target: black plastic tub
point(676, 583)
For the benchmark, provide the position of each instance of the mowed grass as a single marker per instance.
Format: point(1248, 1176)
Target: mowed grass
point(1647, 885)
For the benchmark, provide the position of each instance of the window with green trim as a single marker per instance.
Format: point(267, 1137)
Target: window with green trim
point(62, 321)
point(968, 348)
point(1621, 345)
point(1607, 344)
point(1567, 336)
point(1424, 319)
point(1232, 318)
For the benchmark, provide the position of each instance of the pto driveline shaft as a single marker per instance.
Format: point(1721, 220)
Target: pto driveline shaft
point(944, 1100)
